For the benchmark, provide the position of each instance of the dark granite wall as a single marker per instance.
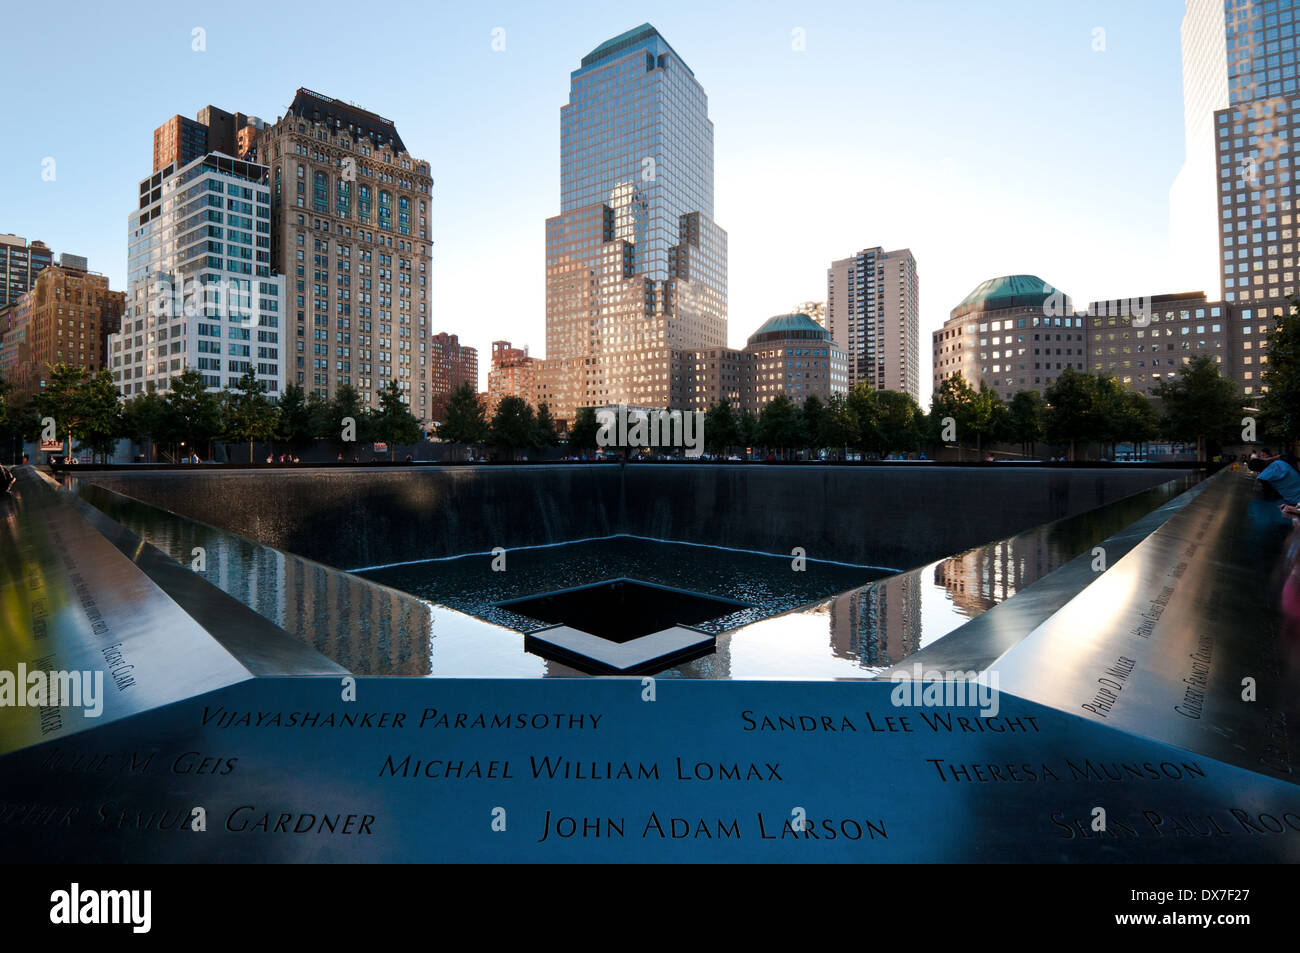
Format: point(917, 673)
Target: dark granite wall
point(888, 516)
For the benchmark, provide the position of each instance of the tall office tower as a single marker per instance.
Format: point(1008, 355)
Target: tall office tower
point(65, 319)
point(201, 292)
point(181, 140)
point(1255, 161)
point(636, 267)
point(873, 313)
point(1193, 202)
point(351, 235)
point(20, 264)
point(451, 365)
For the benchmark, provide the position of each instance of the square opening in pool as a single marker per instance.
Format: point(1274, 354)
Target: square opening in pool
point(620, 610)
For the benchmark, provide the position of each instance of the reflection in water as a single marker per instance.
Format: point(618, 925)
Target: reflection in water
point(819, 624)
point(368, 629)
point(883, 623)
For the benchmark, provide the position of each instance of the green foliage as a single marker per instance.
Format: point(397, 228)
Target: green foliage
point(514, 426)
point(144, 417)
point(721, 427)
point(297, 428)
point(582, 435)
point(1201, 405)
point(1075, 413)
point(1025, 418)
point(192, 415)
point(395, 424)
point(546, 435)
point(61, 398)
point(345, 404)
point(100, 414)
point(899, 422)
point(779, 424)
point(1280, 403)
point(247, 414)
point(465, 420)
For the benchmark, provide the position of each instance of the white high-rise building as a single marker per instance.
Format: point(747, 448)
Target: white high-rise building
point(200, 290)
point(1193, 202)
point(873, 313)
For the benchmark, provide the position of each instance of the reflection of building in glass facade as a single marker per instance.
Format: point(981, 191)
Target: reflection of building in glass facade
point(873, 311)
point(635, 264)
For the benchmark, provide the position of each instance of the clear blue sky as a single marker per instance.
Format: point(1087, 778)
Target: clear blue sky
point(990, 138)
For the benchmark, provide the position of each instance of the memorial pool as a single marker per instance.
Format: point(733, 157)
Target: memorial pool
point(832, 619)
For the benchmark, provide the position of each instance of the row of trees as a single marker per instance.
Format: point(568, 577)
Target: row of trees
point(514, 427)
point(87, 414)
point(1199, 406)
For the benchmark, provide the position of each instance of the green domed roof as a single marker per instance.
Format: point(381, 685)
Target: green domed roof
point(790, 326)
point(1009, 291)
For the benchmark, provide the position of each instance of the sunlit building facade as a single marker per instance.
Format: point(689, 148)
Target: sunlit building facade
point(635, 264)
point(201, 292)
point(873, 313)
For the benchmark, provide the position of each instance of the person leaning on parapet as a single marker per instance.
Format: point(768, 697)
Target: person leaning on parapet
point(1281, 478)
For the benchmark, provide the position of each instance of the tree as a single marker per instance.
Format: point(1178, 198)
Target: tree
point(514, 426)
point(296, 426)
point(1025, 415)
point(861, 419)
point(813, 421)
point(19, 421)
point(346, 404)
point(100, 414)
point(720, 427)
point(61, 399)
point(1280, 404)
point(837, 424)
point(144, 418)
point(952, 402)
point(248, 414)
point(747, 429)
point(779, 425)
point(898, 420)
point(394, 423)
point(546, 435)
point(1138, 421)
point(582, 435)
point(465, 420)
point(1201, 405)
point(192, 414)
point(1073, 406)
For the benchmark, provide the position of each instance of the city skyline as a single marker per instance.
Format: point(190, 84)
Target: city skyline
point(970, 192)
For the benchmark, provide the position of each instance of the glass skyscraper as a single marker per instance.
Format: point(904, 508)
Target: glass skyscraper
point(636, 267)
point(200, 290)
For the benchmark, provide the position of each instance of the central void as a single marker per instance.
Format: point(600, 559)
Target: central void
point(620, 610)
point(647, 586)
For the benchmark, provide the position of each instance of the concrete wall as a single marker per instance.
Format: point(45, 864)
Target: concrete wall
point(897, 517)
